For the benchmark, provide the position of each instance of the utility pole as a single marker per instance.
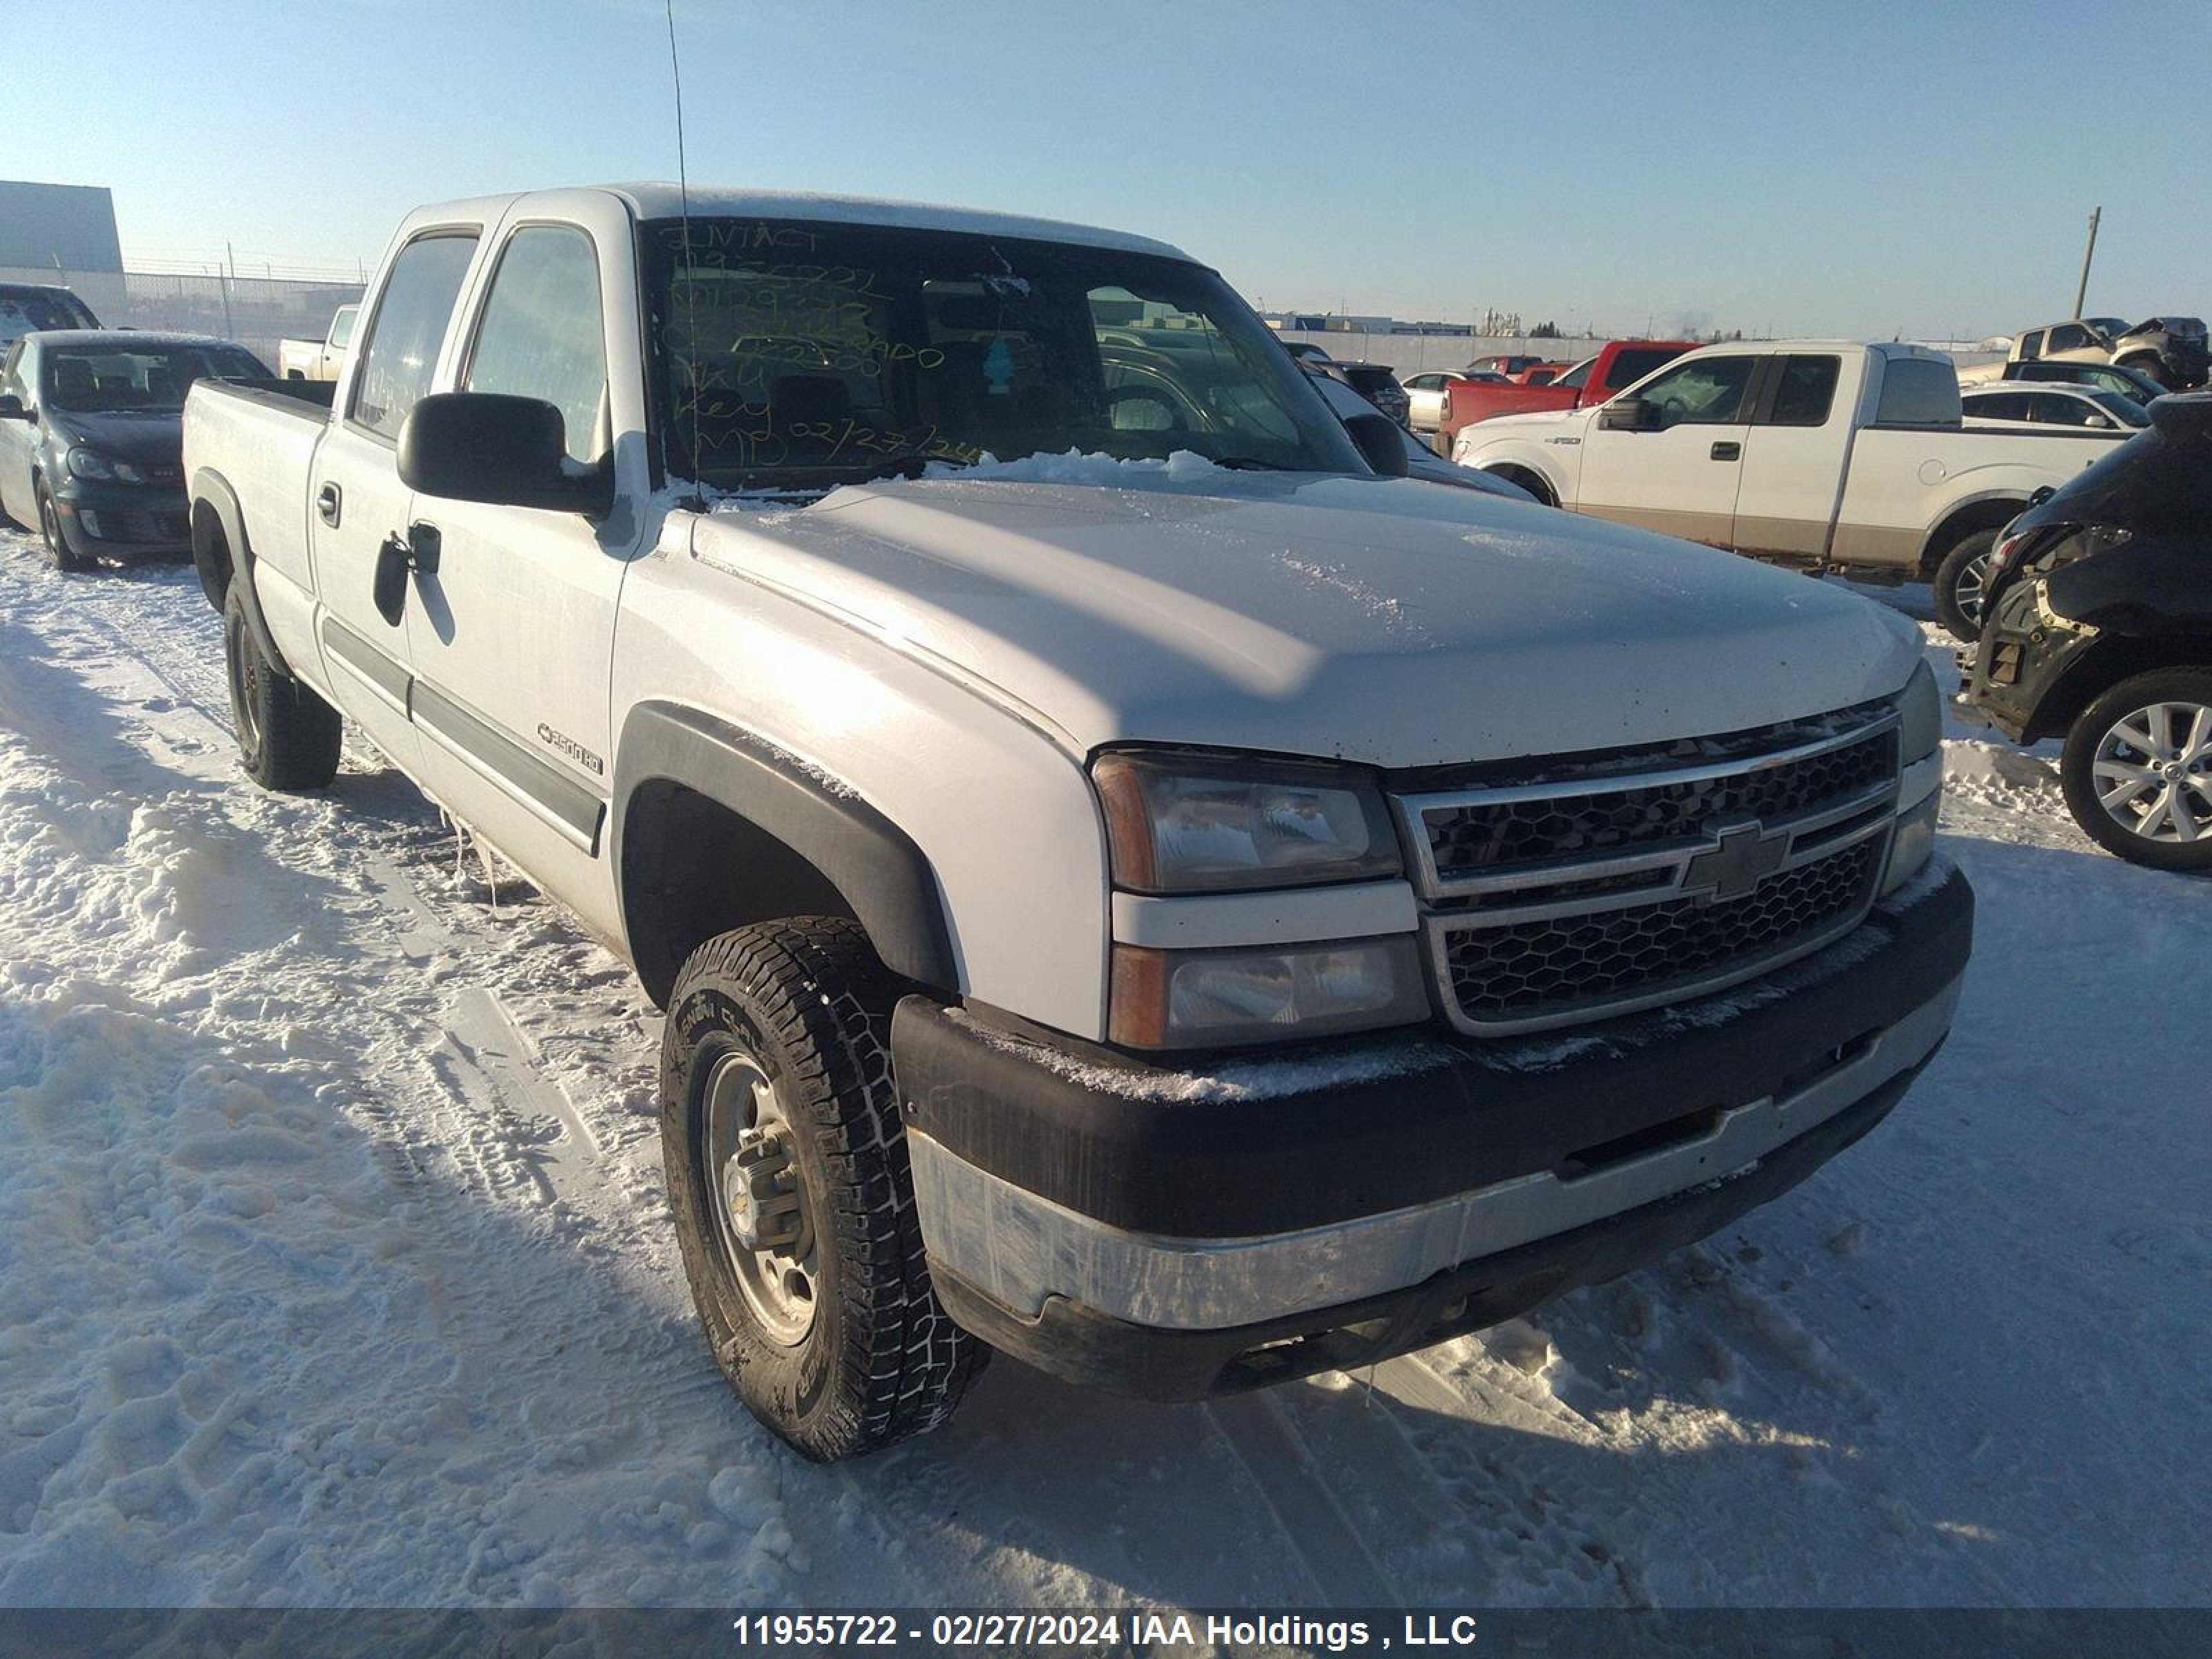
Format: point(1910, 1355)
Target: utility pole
point(2081, 294)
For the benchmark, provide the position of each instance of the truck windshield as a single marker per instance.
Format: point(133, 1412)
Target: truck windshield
point(102, 379)
point(792, 354)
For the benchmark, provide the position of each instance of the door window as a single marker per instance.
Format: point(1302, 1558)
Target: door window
point(543, 335)
point(2031, 346)
point(2004, 406)
point(1805, 391)
point(401, 352)
point(2069, 337)
point(1706, 393)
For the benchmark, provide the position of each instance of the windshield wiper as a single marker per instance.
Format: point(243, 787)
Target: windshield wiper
point(1250, 464)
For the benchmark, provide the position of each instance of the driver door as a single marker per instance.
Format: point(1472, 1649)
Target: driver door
point(1681, 475)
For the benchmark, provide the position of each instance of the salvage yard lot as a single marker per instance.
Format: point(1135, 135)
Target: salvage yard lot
point(334, 1266)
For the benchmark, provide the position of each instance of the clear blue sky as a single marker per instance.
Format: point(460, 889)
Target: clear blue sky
point(1864, 166)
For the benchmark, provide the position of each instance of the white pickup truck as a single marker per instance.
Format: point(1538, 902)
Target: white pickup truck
point(1826, 454)
point(318, 359)
point(1183, 901)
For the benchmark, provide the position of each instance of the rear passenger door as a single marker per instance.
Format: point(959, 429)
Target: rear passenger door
point(356, 501)
point(1793, 472)
point(1682, 477)
point(512, 637)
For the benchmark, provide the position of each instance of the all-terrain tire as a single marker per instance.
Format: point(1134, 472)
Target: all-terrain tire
point(2187, 687)
point(807, 1005)
point(288, 736)
point(51, 531)
point(1961, 582)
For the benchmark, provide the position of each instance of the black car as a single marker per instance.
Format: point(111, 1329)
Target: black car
point(1377, 382)
point(2099, 625)
point(24, 306)
point(92, 438)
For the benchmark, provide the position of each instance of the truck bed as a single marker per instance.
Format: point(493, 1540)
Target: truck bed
point(260, 437)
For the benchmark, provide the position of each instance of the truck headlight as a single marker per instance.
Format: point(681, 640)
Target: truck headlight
point(1920, 716)
point(1920, 747)
point(90, 463)
point(1180, 998)
point(1208, 825)
point(1912, 843)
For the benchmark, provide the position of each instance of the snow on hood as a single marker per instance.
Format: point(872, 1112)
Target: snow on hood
point(1381, 620)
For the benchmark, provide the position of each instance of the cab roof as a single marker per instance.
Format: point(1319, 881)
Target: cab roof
point(663, 200)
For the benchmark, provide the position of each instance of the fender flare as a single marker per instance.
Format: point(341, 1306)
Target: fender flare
point(874, 864)
point(211, 487)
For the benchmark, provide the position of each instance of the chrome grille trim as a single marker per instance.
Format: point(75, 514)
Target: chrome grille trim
point(1540, 889)
point(1412, 810)
point(1439, 929)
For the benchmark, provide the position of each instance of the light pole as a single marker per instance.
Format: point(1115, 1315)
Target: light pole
point(2081, 294)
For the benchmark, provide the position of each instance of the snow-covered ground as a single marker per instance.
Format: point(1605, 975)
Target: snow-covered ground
point(333, 1266)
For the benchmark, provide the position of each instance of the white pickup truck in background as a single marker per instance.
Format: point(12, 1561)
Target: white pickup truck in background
point(1116, 902)
point(318, 359)
point(1826, 454)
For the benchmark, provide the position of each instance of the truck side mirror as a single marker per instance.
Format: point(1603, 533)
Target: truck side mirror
point(1382, 441)
point(1629, 415)
point(11, 408)
point(504, 450)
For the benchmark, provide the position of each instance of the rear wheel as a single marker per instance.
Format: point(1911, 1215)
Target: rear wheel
point(793, 1199)
point(2138, 770)
point(50, 528)
point(288, 737)
point(1962, 583)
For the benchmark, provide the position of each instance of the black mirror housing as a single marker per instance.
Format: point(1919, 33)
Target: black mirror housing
point(11, 408)
point(1628, 415)
point(501, 450)
point(1382, 443)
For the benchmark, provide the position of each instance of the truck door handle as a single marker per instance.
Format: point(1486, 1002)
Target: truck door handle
point(1727, 452)
point(328, 500)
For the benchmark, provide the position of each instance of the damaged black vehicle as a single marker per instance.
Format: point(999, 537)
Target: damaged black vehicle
point(2099, 627)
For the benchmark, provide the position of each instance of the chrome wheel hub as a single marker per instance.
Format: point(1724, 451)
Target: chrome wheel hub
point(2153, 772)
point(766, 1235)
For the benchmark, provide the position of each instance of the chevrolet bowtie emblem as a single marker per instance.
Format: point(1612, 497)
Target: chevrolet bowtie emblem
point(1746, 856)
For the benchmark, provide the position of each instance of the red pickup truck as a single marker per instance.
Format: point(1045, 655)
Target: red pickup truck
point(1620, 364)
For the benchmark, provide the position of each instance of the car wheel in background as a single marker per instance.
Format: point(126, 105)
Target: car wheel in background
point(50, 528)
point(794, 1199)
point(1962, 584)
point(288, 737)
point(2138, 770)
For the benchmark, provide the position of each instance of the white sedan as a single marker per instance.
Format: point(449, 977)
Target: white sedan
point(2028, 403)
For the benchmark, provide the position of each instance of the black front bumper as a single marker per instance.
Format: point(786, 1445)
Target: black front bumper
point(124, 521)
point(1080, 1345)
point(1477, 1114)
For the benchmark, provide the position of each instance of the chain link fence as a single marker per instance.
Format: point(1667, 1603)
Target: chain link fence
point(255, 310)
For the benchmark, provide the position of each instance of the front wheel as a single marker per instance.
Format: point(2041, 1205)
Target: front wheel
point(1962, 583)
point(288, 737)
point(50, 530)
point(793, 1199)
point(2138, 770)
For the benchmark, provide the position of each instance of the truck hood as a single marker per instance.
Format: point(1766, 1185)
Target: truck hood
point(1389, 621)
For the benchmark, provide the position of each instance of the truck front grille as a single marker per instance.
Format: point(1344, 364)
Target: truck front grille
point(1566, 891)
point(1511, 828)
point(1567, 966)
